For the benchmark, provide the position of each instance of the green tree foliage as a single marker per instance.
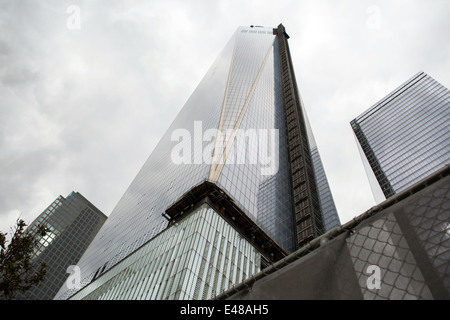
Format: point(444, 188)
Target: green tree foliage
point(17, 272)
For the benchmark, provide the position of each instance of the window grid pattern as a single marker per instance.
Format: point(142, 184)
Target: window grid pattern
point(250, 51)
point(137, 218)
point(198, 258)
point(266, 199)
point(408, 132)
point(329, 212)
point(72, 222)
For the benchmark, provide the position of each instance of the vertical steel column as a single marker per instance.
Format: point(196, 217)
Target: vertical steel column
point(308, 220)
point(372, 159)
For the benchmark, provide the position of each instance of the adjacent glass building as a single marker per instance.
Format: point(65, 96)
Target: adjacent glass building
point(405, 137)
point(73, 223)
point(238, 153)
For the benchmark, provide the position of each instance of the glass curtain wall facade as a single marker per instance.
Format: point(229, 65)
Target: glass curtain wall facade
point(196, 260)
point(330, 216)
point(329, 212)
point(406, 137)
point(73, 223)
point(228, 141)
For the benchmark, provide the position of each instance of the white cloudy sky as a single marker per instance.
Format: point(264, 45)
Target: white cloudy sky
point(82, 109)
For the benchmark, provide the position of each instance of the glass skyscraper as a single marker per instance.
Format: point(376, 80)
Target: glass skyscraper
point(405, 136)
point(73, 223)
point(230, 188)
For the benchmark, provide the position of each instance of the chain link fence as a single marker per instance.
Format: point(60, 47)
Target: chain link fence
point(397, 250)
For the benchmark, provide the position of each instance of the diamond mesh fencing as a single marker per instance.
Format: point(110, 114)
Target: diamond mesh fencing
point(398, 250)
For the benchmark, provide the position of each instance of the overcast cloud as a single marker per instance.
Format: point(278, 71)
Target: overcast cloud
point(81, 109)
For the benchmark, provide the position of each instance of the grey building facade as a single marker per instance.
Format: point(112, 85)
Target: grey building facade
point(405, 136)
point(239, 150)
point(73, 223)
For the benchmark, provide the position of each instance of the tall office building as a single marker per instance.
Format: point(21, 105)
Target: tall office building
point(229, 189)
point(405, 136)
point(73, 223)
